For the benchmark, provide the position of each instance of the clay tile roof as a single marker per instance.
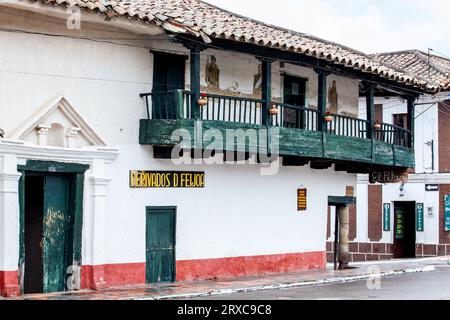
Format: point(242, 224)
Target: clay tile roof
point(431, 68)
point(203, 20)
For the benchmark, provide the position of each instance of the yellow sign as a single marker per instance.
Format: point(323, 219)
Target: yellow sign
point(302, 196)
point(166, 179)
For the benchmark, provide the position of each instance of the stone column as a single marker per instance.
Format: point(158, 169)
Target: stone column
point(71, 136)
point(344, 228)
point(42, 134)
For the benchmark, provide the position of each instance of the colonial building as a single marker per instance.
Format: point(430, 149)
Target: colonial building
point(96, 189)
point(410, 217)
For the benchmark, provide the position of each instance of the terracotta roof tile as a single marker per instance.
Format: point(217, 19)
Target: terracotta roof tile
point(203, 20)
point(430, 68)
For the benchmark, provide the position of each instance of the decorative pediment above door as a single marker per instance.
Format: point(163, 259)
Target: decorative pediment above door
point(57, 124)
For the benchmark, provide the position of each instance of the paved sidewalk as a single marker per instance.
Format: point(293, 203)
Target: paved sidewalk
point(186, 290)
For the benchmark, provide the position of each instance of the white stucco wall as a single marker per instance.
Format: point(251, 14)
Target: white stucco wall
point(239, 213)
point(426, 130)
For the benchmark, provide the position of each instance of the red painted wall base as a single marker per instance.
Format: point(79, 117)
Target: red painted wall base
point(110, 275)
point(9, 283)
point(249, 266)
point(102, 276)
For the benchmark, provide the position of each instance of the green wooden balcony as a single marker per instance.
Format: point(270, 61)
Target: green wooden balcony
point(303, 135)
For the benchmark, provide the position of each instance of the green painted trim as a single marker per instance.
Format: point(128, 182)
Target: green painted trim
point(22, 231)
point(53, 167)
point(76, 171)
point(78, 217)
point(293, 142)
point(341, 201)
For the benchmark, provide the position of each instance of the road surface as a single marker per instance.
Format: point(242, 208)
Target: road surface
point(418, 286)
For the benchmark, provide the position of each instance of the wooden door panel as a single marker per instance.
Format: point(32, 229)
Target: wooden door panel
point(160, 245)
point(55, 232)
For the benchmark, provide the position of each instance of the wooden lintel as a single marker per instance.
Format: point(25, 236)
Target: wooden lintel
point(295, 161)
point(341, 201)
point(321, 164)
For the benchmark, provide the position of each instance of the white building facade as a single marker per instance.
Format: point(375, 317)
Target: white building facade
point(70, 110)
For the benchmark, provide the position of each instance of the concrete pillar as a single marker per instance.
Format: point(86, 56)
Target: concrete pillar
point(9, 226)
point(344, 228)
point(97, 240)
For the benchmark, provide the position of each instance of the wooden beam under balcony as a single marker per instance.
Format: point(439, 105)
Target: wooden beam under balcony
point(322, 98)
point(266, 90)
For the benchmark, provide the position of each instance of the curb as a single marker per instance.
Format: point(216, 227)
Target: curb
point(294, 284)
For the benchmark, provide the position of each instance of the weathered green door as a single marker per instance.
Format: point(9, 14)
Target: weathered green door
point(168, 76)
point(55, 233)
point(161, 244)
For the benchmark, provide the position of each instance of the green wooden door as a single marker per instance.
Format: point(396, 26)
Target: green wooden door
point(294, 93)
point(168, 76)
point(55, 233)
point(161, 244)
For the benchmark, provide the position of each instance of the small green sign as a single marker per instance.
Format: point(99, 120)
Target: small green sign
point(399, 224)
point(447, 212)
point(419, 217)
point(387, 217)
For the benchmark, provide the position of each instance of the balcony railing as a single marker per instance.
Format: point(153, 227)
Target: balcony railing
point(177, 104)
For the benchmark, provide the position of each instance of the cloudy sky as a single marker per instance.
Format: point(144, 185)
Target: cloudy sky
point(367, 25)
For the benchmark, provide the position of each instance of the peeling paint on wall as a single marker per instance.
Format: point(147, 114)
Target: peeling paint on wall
point(212, 74)
point(333, 98)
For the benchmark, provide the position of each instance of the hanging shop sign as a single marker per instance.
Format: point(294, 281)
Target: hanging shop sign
point(447, 212)
point(387, 217)
point(166, 179)
point(399, 224)
point(389, 176)
point(302, 199)
point(420, 224)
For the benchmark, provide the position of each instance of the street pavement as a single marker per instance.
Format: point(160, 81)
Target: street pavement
point(418, 286)
point(314, 284)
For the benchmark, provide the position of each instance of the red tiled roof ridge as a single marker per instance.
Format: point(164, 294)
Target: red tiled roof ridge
point(204, 20)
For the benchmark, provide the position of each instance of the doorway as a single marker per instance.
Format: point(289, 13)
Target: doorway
point(51, 210)
point(48, 215)
point(168, 76)
point(161, 242)
point(294, 94)
point(404, 230)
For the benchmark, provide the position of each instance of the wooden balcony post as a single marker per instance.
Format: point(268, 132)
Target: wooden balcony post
point(411, 120)
point(322, 99)
point(195, 79)
point(266, 90)
point(370, 107)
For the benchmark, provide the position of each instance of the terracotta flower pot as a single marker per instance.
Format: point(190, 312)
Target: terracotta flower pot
point(328, 118)
point(273, 111)
point(203, 101)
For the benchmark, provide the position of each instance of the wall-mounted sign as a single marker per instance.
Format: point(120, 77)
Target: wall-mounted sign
point(420, 224)
point(387, 217)
point(392, 176)
point(399, 223)
point(166, 179)
point(447, 212)
point(431, 187)
point(302, 199)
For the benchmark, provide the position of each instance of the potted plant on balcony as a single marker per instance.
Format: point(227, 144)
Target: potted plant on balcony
point(328, 117)
point(203, 101)
point(273, 110)
point(377, 126)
